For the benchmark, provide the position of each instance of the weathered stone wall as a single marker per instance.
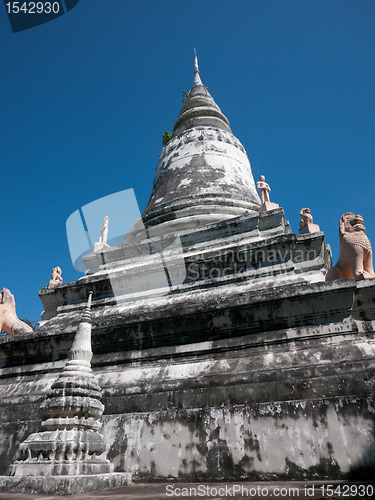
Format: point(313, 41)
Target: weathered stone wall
point(252, 384)
point(305, 439)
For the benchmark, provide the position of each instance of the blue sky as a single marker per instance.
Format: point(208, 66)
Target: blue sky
point(85, 99)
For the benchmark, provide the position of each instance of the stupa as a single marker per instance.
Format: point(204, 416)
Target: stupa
point(221, 351)
point(68, 454)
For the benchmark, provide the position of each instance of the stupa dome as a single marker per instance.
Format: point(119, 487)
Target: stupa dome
point(203, 174)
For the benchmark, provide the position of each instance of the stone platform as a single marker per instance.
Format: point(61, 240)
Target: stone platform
point(63, 485)
point(253, 367)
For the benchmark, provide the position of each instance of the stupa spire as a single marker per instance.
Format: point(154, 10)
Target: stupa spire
point(203, 174)
point(197, 78)
point(199, 106)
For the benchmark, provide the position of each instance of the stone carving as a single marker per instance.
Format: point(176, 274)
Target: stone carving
point(70, 442)
point(102, 243)
point(306, 225)
point(306, 217)
point(264, 191)
point(8, 317)
point(355, 259)
point(56, 278)
point(104, 231)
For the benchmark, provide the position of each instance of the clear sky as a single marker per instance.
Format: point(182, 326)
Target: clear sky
point(85, 100)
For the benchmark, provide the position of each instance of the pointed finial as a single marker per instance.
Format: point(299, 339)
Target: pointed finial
point(86, 317)
point(197, 78)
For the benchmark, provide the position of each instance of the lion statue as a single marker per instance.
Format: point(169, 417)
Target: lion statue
point(56, 274)
point(8, 317)
point(306, 217)
point(355, 259)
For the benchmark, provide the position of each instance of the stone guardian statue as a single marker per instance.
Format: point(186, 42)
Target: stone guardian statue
point(264, 191)
point(355, 259)
point(102, 243)
point(56, 278)
point(8, 317)
point(306, 225)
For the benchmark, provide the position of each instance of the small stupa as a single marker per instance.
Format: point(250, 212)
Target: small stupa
point(69, 442)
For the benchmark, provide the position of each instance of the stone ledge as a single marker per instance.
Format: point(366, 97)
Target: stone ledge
point(63, 485)
point(189, 318)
